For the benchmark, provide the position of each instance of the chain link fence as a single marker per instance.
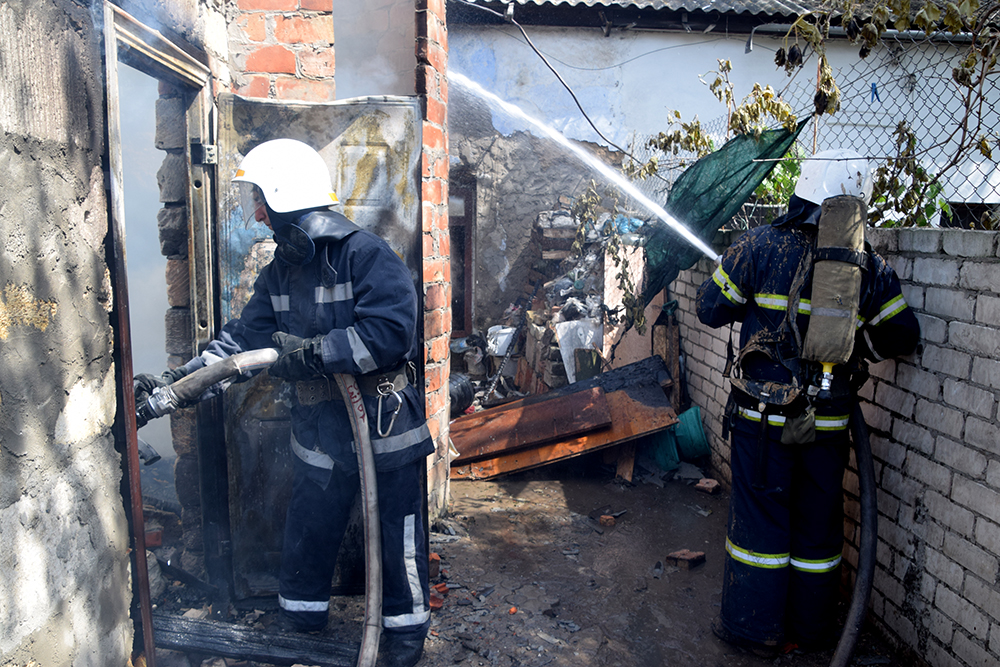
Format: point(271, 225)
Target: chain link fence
point(906, 78)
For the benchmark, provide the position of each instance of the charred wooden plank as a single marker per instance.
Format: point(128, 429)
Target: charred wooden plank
point(228, 640)
point(626, 461)
point(519, 424)
point(637, 410)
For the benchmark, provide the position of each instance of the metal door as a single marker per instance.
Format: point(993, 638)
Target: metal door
point(372, 146)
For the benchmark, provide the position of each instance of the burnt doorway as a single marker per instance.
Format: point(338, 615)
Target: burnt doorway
point(461, 227)
point(129, 42)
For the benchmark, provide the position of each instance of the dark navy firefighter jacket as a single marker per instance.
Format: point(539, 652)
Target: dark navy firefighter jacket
point(752, 285)
point(358, 293)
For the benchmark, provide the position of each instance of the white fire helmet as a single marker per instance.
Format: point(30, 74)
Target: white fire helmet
point(835, 172)
point(290, 175)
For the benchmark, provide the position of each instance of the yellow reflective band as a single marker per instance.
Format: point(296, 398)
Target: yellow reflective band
point(766, 561)
point(893, 307)
point(771, 301)
point(780, 302)
point(831, 423)
point(333, 196)
point(818, 566)
point(835, 423)
point(239, 172)
point(754, 416)
point(731, 291)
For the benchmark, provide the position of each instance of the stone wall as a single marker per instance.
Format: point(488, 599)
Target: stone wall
point(934, 433)
point(516, 178)
point(66, 590)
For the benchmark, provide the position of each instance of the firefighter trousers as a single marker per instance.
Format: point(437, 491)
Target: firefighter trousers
point(785, 537)
point(315, 524)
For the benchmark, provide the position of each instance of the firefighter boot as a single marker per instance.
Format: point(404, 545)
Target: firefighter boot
point(397, 651)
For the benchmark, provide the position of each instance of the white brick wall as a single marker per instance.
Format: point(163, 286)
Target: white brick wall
point(935, 437)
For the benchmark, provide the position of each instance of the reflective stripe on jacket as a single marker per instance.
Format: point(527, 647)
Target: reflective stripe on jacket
point(358, 293)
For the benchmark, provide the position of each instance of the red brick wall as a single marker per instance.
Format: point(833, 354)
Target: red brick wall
point(284, 50)
point(432, 87)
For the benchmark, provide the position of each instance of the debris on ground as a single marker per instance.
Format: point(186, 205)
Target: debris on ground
point(548, 589)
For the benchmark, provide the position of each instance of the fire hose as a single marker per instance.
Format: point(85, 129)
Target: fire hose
point(189, 388)
point(869, 537)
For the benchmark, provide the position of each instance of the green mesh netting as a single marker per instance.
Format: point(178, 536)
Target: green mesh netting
point(706, 196)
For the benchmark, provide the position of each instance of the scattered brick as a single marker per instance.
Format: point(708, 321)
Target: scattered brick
point(709, 486)
point(686, 559)
point(434, 566)
point(607, 520)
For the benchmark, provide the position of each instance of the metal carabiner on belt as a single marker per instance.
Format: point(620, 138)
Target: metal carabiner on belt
point(386, 389)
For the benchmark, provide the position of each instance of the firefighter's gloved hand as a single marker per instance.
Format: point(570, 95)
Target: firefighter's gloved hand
point(299, 359)
point(147, 382)
point(144, 384)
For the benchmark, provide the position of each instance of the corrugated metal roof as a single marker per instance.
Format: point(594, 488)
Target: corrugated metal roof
point(773, 7)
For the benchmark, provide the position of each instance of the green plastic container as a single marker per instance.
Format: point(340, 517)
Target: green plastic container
point(691, 441)
point(663, 449)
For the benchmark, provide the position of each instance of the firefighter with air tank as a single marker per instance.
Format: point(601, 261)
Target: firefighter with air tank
point(815, 304)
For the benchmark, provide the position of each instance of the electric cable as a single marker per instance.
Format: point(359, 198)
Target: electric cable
point(509, 17)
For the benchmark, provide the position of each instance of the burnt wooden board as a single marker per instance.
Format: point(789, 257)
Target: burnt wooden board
point(229, 640)
point(521, 424)
point(637, 410)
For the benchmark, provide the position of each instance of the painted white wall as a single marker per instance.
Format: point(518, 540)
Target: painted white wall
point(629, 81)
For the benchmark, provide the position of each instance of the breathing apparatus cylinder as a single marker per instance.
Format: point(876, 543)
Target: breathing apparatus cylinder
point(836, 285)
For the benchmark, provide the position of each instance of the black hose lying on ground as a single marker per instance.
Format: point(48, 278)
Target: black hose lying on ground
point(869, 538)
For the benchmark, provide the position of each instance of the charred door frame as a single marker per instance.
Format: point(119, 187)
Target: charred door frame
point(466, 189)
point(137, 45)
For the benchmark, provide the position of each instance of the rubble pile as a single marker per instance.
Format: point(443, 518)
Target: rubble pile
point(565, 338)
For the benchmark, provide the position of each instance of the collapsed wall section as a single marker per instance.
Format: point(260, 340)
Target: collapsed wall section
point(65, 596)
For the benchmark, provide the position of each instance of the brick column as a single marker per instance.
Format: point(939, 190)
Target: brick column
point(284, 50)
point(432, 87)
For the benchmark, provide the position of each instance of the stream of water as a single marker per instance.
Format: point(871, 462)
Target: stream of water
point(588, 159)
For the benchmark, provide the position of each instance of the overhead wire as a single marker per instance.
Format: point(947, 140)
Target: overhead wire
point(509, 18)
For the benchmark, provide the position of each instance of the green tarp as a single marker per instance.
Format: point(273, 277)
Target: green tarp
point(706, 196)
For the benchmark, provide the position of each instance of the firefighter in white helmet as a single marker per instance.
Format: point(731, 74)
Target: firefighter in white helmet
point(336, 299)
point(789, 405)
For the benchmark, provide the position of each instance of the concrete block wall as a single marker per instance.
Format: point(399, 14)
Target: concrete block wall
point(935, 438)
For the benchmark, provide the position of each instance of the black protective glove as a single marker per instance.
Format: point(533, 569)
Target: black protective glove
point(145, 383)
point(300, 358)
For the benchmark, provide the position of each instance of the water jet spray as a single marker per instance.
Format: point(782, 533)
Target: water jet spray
point(588, 159)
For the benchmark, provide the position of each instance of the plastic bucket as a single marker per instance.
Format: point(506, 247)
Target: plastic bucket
point(662, 447)
point(691, 441)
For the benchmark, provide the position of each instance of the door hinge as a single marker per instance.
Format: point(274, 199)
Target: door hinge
point(204, 154)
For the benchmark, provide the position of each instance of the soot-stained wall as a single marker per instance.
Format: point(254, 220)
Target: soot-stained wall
point(515, 178)
point(65, 592)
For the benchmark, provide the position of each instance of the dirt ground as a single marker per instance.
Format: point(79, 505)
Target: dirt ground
point(531, 579)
